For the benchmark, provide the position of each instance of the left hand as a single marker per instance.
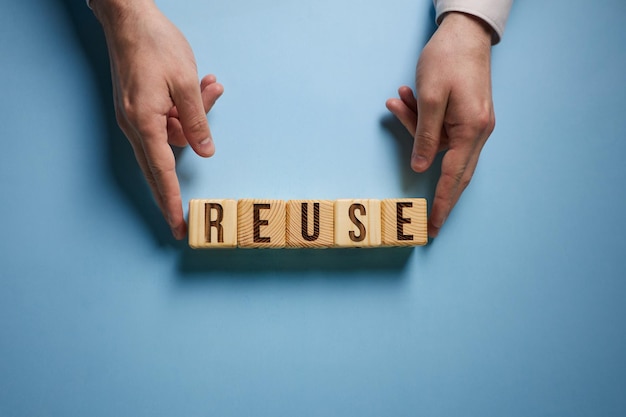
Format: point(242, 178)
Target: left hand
point(158, 101)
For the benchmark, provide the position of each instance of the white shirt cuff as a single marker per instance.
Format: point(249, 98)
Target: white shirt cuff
point(493, 12)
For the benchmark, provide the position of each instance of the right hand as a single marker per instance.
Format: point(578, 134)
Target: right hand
point(158, 101)
point(453, 110)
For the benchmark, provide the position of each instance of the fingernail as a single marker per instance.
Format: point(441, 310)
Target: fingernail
point(439, 225)
point(176, 233)
point(419, 162)
point(173, 229)
point(206, 141)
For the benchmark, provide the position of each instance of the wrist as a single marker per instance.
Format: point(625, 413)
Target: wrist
point(468, 25)
point(110, 13)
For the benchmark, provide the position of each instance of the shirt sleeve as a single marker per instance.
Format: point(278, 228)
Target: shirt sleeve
point(494, 12)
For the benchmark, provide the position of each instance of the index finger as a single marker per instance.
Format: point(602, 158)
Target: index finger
point(162, 165)
point(455, 167)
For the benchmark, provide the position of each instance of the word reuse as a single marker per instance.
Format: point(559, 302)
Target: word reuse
point(251, 223)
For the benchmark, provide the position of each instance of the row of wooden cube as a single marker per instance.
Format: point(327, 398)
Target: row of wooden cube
point(251, 223)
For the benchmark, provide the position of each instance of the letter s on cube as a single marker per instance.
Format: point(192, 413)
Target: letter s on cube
point(357, 223)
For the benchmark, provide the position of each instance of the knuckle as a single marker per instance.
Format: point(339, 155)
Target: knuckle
point(134, 114)
point(143, 123)
point(492, 123)
point(187, 81)
point(196, 128)
point(152, 183)
point(430, 98)
point(161, 171)
point(464, 182)
point(426, 140)
point(128, 108)
point(134, 117)
point(454, 177)
point(484, 120)
point(145, 129)
point(159, 179)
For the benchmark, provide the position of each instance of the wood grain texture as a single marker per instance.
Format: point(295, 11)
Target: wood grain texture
point(404, 222)
point(212, 223)
point(310, 223)
point(357, 223)
point(261, 223)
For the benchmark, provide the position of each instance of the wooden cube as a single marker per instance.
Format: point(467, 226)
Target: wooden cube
point(212, 224)
point(310, 223)
point(404, 222)
point(261, 223)
point(357, 223)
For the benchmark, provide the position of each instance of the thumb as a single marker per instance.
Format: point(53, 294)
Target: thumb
point(188, 101)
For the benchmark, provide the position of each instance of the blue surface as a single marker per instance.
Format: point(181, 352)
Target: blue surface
point(517, 309)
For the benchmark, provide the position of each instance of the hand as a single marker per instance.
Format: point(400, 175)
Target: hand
point(453, 110)
point(158, 101)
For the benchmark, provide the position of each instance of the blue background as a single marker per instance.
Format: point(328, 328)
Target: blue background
point(517, 309)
